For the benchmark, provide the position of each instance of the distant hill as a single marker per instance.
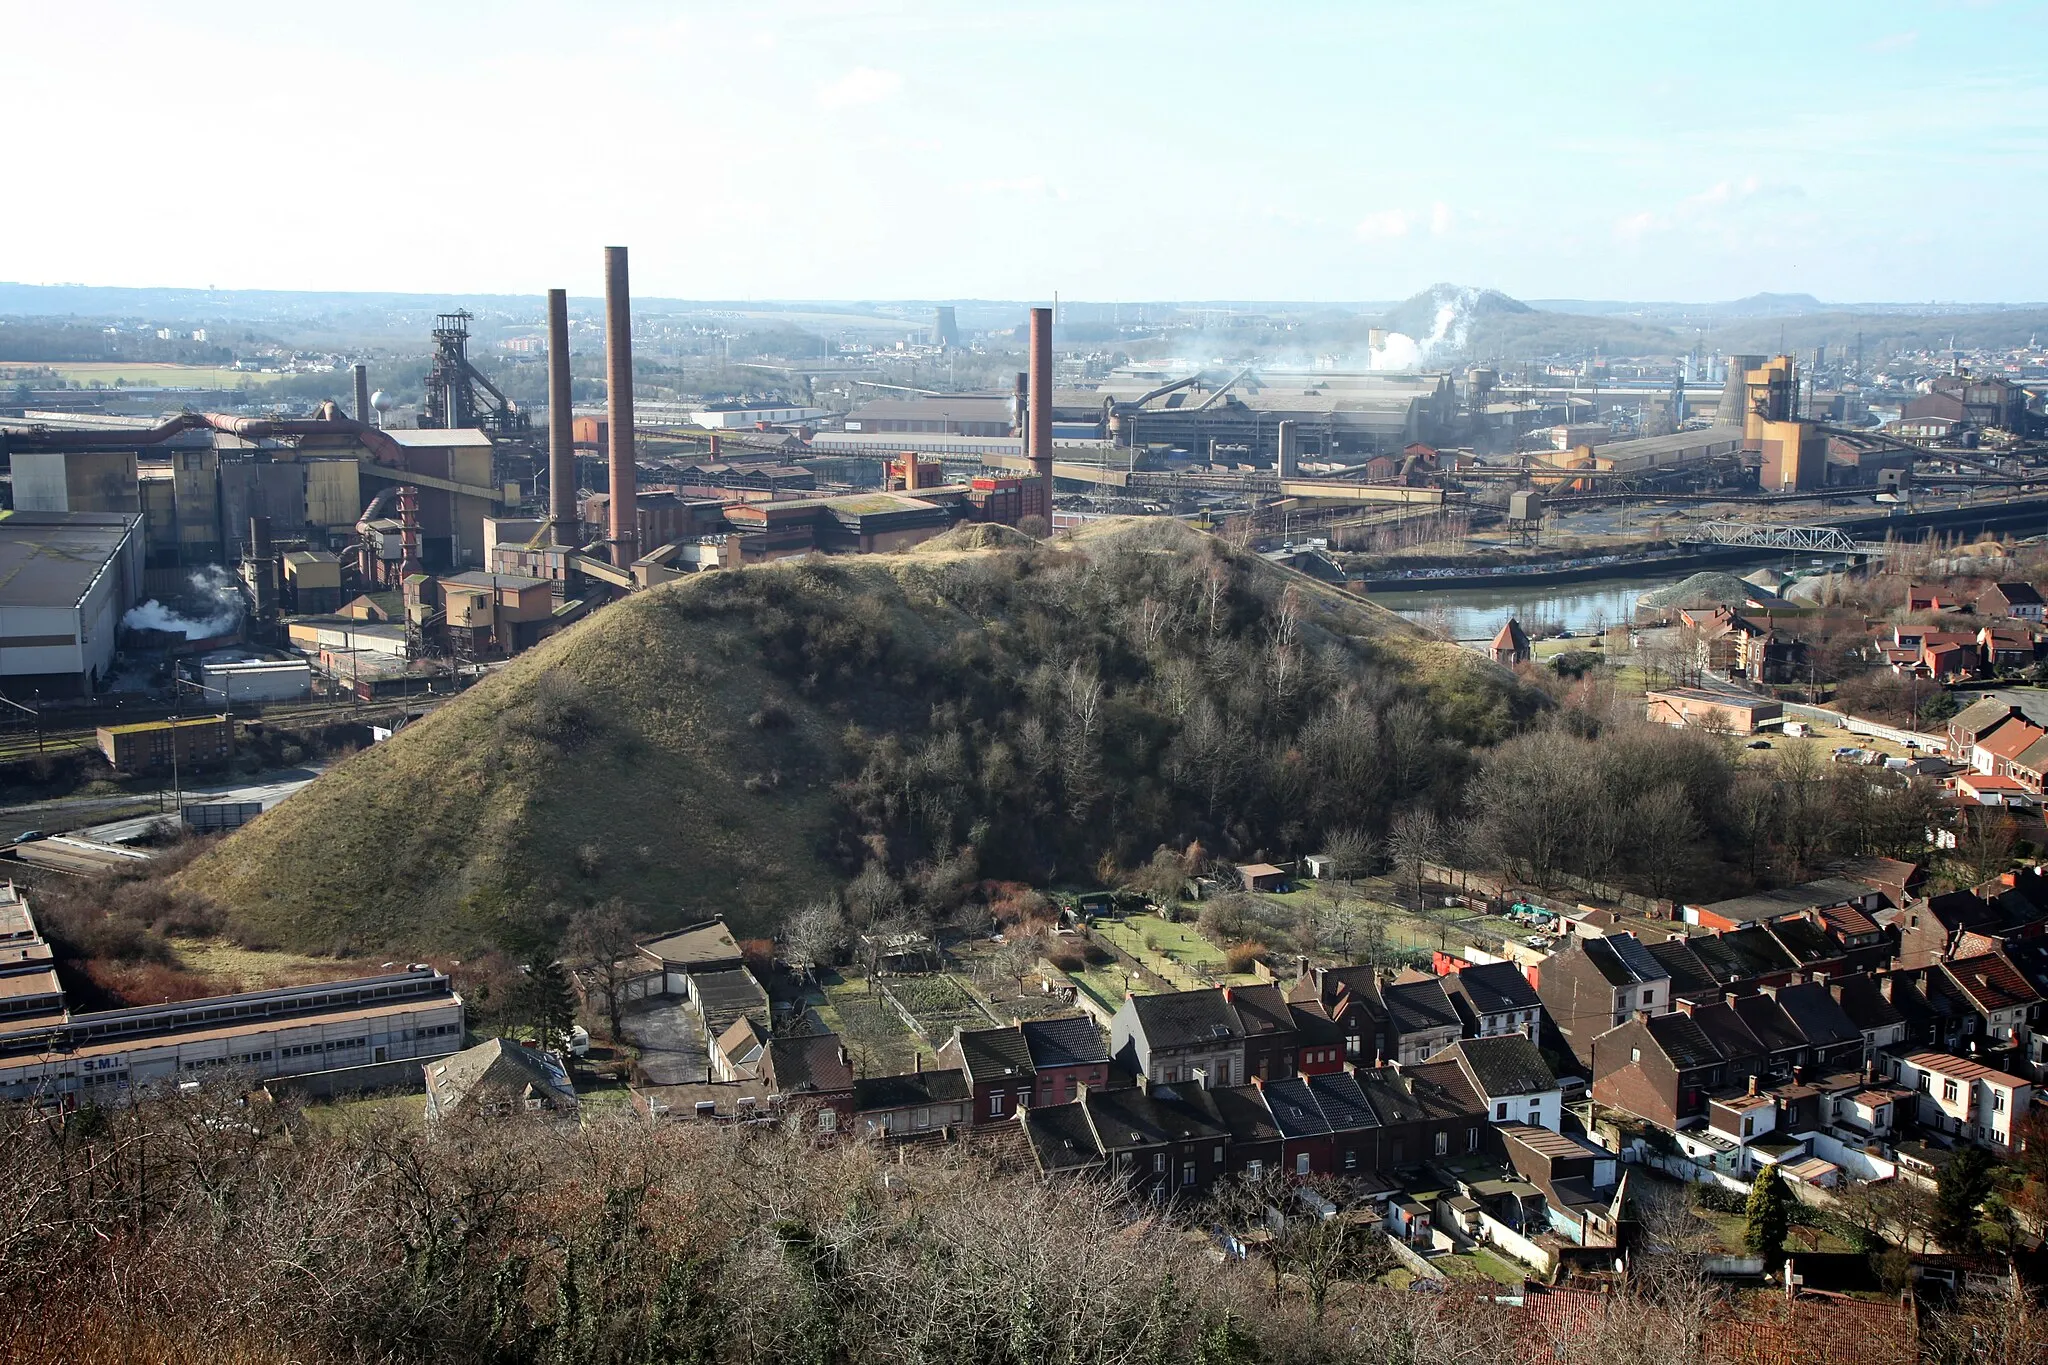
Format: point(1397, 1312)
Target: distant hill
point(742, 742)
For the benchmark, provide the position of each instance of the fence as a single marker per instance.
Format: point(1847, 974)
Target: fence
point(1857, 726)
point(1500, 1235)
point(1692, 1172)
point(1413, 1259)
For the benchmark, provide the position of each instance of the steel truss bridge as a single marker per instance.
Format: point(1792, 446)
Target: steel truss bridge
point(1827, 540)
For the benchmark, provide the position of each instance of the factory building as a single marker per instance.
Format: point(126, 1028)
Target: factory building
point(66, 579)
point(332, 1036)
point(745, 416)
point(954, 414)
point(1335, 414)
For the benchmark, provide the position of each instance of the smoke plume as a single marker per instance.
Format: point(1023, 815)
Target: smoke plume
point(212, 607)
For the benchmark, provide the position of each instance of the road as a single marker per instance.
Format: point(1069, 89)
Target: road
point(77, 815)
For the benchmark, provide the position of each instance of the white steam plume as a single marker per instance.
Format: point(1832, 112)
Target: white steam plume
point(214, 590)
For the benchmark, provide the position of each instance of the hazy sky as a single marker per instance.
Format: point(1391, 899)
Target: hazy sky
point(797, 148)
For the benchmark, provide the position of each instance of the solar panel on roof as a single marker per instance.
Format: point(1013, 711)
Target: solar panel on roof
point(1635, 957)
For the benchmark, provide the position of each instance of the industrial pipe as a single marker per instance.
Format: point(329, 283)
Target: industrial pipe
point(624, 500)
point(382, 448)
point(562, 514)
point(1040, 395)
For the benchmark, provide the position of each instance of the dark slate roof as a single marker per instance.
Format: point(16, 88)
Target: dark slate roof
point(1343, 1103)
point(1960, 910)
point(1419, 1006)
point(1186, 1018)
point(911, 1091)
point(1772, 1026)
point(994, 1053)
point(1362, 983)
point(1242, 1110)
point(813, 1063)
point(1786, 900)
point(1819, 1019)
point(1261, 1010)
point(1072, 1040)
point(1294, 1109)
point(1312, 1025)
point(1495, 987)
point(1863, 1002)
point(1391, 1102)
point(1508, 1064)
point(1622, 959)
point(726, 995)
point(1689, 973)
point(1742, 954)
point(1683, 1040)
point(1127, 1118)
point(1806, 941)
point(1061, 1138)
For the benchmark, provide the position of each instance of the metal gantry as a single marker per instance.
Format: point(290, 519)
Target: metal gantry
point(1770, 536)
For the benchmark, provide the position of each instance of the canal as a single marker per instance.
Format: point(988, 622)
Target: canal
point(1590, 605)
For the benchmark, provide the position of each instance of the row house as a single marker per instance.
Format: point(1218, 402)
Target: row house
point(1974, 722)
point(1037, 1062)
point(1421, 1021)
point(2020, 601)
point(1966, 1099)
point(1592, 985)
point(1495, 998)
point(1513, 1082)
point(1961, 1004)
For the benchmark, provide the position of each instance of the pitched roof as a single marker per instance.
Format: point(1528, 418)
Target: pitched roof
point(992, 1053)
point(1512, 637)
point(741, 1045)
point(1061, 1137)
point(1260, 1009)
point(1682, 1040)
point(2010, 741)
point(1819, 1018)
point(1991, 982)
point(1494, 987)
point(1862, 1000)
point(911, 1090)
point(1786, 900)
point(499, 1066)
point(1622, 959)
point(1947, 1064)
point(1390, 1099)
point(1420, 1006)
point(1294, 1108)
point(1805, 940)
point(1443, 1091)
point(1767, 1019)
point(816, 1063)
point(1186, 1018)
point(1070, 1040)
point(1742, 954)
point(1343, 1102)
point(1980, 715)
point(1689, 972)
point(2019, 594)
point(1135, 1117)
point(1508, 1064)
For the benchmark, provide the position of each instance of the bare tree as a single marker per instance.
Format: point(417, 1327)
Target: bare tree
point(815, 936)
point(1350, 852)
point(1415, 839)
point(600, 947)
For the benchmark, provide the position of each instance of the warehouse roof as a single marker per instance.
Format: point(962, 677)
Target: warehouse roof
point(52, 559)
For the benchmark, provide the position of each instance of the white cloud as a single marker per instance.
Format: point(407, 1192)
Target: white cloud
point(1383, 226)
point(862, 85)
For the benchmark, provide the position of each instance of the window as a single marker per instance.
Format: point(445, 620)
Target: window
point(1748, 1125)
point(1443, 1143)
point(921, 1118)
point(1159, 1163)
point(828, 1120)
point(1948, 1090)
point(1472, 1139)
point(1997, 1101)
point(1254, 1169)
point(1500, 1114)
point(1635, 1054)
point(1301, 1163)
point(995, 1104)
point(1350, 1159)
point(1187, 1173)
point(1217, 1156)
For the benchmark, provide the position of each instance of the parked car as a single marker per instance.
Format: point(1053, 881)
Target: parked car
point(29, 836)
point(1760, 744)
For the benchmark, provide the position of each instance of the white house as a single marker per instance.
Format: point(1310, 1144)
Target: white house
point(1966, 1099)
point(1511, 1077)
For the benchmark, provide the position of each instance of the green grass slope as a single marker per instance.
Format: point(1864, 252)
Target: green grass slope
point(740, 743)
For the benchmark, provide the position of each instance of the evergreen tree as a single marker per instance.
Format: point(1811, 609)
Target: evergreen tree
point(547, 1002)
point(1963, 1185)
point(1770, 1216)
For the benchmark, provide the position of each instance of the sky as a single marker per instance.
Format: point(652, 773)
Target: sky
point(785, 149)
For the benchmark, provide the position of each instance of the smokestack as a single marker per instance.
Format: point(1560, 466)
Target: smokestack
point(1017, 400)
point(1041, 413)
point(618, 362)
point(1288, 460)
point(362, 377)
point(562, 513)
point(263, 565)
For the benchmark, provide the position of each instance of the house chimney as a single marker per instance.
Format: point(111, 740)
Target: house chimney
point(1884, 987)
point(563, 516)
point(1798, 1075)
point(917, 1063)
point(624, 531)
point(1040, 439)
point(1752, 1085)
point(1835, 989)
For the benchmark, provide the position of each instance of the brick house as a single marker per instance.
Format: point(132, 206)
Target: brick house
point(1421, 1021)
point(1494, 998)
point(1511, 1079)
point(1594, 984)
point(997, 1065)
point(1066, 1053)
point(2018, 600)
point(1349, 997)
point(1267, 1025)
